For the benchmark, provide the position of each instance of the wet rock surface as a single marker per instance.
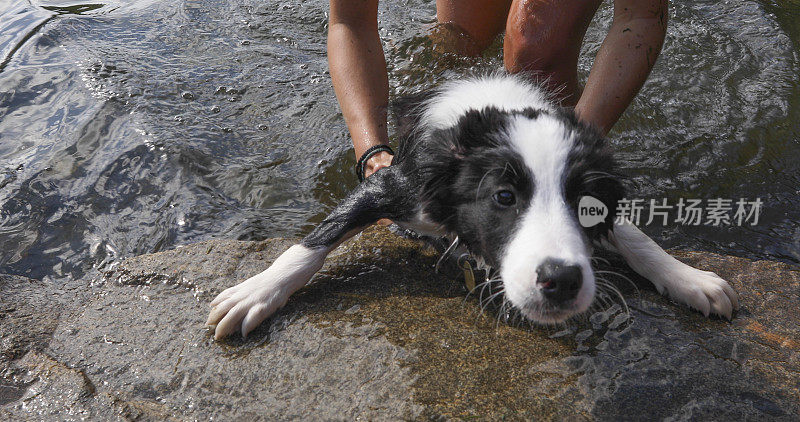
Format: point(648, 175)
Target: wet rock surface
point(380, 335)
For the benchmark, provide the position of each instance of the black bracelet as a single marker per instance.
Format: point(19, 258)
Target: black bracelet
point(362, 162)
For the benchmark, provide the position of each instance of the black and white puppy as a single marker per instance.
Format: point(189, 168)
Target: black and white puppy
point(492, 161)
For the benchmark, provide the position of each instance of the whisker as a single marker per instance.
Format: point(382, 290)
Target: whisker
point(513, 170)
point(501, 314)
point(622, 276)
point(490, 299)
point(447, 252)
point(600, 259)
point(616, 291)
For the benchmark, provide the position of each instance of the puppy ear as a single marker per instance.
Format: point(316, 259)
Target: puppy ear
point(446, 146)
point(475, 129)
point(593, 169)
point(611, 191)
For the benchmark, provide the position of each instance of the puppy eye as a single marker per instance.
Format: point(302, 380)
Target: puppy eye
point(505, 198)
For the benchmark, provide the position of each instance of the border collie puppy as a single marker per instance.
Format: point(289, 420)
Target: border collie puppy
point(492, 162)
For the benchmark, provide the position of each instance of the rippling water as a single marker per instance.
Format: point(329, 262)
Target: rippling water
point(129, 127)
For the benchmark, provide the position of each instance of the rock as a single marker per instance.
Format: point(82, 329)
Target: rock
point(379, 335)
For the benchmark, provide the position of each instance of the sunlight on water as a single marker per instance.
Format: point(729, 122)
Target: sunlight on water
point(131, 127)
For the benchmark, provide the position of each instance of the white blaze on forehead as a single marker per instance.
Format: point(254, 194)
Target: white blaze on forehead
point(548, 228)
point(506, 92)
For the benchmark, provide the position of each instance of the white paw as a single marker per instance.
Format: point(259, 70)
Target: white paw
point(702, 290)
point(244, 306)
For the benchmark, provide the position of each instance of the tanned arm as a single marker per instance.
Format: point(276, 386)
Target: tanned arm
point(358, 70)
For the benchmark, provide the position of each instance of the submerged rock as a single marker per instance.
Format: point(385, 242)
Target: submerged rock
point(380, 335)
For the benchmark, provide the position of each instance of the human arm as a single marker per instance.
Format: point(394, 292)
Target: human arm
point(358, 71)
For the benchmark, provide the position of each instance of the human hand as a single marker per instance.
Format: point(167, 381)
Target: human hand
point(375, 163)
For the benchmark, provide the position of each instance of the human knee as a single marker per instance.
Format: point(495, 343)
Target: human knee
point(530, 51)
point(546, 35)
point(479, 21)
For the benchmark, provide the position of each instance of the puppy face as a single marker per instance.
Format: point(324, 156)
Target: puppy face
point(511, 182)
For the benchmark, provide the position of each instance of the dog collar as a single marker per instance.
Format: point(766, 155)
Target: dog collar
point(467, 264)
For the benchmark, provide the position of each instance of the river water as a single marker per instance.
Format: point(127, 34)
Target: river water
point(129, 127)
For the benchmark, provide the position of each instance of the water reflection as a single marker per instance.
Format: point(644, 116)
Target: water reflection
point(130, 127)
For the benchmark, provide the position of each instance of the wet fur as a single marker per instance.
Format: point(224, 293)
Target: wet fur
point(459, 145)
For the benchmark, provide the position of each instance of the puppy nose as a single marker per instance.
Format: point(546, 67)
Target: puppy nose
point(559, 281)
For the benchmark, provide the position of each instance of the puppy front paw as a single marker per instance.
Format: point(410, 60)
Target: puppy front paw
point(701, 290)
point(244, 306)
